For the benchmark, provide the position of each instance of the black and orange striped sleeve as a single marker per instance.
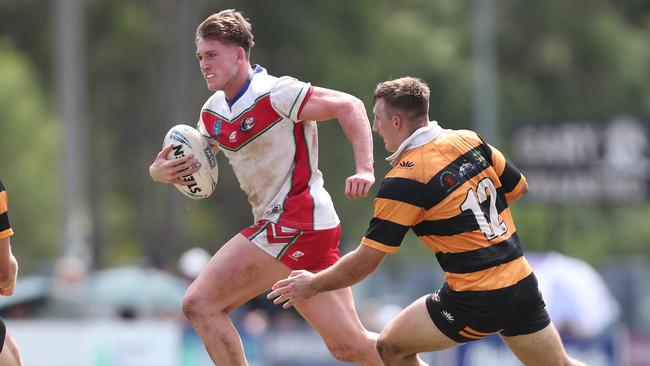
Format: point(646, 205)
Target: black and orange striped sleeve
point(5, 227)
point(397, 208)
point(513, 182)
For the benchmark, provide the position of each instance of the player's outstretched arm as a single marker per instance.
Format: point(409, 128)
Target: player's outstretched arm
point(172, 171)
point(350, 269)
point(8, 268)
point(325, 104)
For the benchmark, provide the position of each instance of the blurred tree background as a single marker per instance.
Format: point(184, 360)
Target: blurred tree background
point(556, 60)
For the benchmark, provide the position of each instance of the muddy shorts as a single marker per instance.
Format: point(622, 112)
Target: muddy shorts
point(313, 250)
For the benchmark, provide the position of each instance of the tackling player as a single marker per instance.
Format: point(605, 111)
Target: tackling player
point(453, 190)
point(9, 355)
point(266, 128)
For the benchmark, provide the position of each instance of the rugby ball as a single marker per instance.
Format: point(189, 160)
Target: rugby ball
point(188, 140)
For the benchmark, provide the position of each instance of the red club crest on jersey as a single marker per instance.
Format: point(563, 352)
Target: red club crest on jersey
point(235, 134)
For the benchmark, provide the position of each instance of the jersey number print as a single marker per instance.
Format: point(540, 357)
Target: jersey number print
point(489, 222)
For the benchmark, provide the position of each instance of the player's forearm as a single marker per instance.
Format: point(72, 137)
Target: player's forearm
point(349, 270)
point(9, 273)
point(355, 125)
point(6, 258)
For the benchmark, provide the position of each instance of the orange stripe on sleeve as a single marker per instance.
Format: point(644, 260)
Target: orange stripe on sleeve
point(518, 191)
point(396, 211)
point(6, 233)
point(3, 202)
point(379, 246)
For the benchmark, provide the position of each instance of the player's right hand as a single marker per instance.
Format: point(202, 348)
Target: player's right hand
point(358, 185)
point(172, 171)
point(296, 287)
point(7, 291)
point(10, 283)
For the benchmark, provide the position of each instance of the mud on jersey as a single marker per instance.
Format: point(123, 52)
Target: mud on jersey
point(273, 154)
point(453, 191)
point(5, 227)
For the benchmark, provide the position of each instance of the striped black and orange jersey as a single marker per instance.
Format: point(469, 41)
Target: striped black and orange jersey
point(5, 227)
point(453, 192)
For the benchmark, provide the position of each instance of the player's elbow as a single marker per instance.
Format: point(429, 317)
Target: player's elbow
point(349, 105)
point(357, 105)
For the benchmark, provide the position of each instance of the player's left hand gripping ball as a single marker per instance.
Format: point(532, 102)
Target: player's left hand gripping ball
point(187, 140)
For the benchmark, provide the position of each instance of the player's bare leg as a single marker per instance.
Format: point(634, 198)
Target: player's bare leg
point(10, 355)
point(238, 272)
point(542, 348)
point(334, 316)
point(410, 333)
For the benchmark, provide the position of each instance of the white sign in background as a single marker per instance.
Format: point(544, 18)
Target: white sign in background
point(585, 161)
point(97, 343)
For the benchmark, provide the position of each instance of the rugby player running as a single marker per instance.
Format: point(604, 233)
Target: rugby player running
point(266, 128)
point(453, 190)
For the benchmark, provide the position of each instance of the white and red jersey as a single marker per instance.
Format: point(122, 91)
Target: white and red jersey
point(273, 153)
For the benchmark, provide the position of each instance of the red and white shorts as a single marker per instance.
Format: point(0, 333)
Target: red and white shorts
point(313, 250)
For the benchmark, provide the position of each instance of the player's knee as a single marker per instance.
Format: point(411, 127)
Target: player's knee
point(198, 305)
point(343, 352)
point(189, 306)
point(382, 348)
point(194, 306)
point(353, 350)
point(387, 351)
point(357, 347)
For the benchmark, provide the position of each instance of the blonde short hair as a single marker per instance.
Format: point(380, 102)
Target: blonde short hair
point(228, 26)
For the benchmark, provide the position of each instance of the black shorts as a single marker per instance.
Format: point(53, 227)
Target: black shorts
point(471, 315)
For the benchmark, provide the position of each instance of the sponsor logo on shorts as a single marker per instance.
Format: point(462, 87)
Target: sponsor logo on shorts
point(297, 254)
point(435, 296)
point(233, 136)
point(447, 315)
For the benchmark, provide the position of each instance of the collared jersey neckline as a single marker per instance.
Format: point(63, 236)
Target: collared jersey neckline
point(256, 69)
point(418, 138)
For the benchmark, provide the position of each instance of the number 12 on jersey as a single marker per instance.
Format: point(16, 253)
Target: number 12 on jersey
point(489, 222)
